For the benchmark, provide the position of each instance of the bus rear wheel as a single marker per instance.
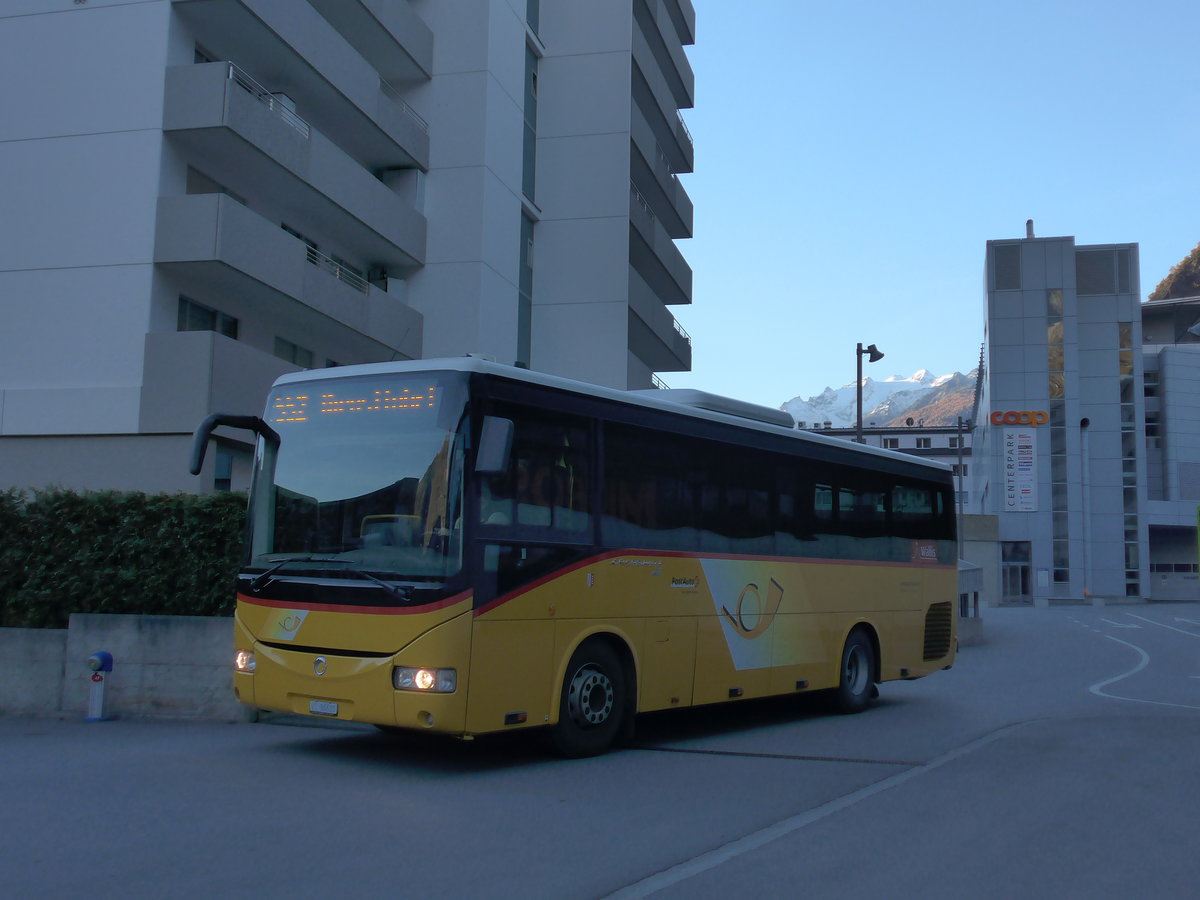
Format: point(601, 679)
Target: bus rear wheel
point(593, 704)
point(856, 684)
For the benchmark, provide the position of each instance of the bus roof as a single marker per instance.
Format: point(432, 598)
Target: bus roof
point(698, 404)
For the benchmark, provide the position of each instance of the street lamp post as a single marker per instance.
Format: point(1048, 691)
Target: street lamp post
point(873, 354)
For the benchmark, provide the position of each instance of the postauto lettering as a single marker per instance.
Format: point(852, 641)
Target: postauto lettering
point(1033, 417)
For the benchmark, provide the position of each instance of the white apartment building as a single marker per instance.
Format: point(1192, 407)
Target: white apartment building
point(200, 195)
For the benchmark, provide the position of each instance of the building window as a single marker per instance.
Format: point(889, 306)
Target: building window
point(1006, 267)
point(293, 353)
point(525, 294)
point(194, 316)
point(960, 470)
point(1102, 272)
point(924, 443)
point(1129, 471)
point(224, 474)
point(891, 443)
point(954, 443)
point(529, 148)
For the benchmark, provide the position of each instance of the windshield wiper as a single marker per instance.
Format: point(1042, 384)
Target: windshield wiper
point(261, 580)
point(398, 592)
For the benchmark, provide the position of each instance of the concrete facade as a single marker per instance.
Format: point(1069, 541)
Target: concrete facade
point(204, 194)
point(1091, 489)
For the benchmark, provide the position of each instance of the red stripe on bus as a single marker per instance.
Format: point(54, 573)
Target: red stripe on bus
point(358, 610)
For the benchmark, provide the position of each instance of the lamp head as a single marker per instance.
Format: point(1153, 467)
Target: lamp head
point(873, 353)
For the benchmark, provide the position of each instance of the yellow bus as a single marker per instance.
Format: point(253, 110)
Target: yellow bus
point(463, 547)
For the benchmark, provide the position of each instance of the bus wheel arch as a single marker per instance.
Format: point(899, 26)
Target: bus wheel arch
point(596, 697)
point(858, 670)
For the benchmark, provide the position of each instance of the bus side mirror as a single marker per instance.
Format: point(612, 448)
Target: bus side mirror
point(495, 446)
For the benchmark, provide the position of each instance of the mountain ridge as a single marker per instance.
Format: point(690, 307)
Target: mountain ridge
point(923, 398)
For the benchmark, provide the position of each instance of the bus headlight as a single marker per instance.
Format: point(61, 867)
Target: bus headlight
point(243, 661)
point(431, 681)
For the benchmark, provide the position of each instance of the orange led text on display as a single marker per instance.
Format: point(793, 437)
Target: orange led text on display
point(296, 408)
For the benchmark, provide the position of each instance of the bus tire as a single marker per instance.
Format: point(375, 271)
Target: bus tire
point(593, 704)
point(856, 681)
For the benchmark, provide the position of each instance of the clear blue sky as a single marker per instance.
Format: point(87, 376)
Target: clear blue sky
point(853, 158)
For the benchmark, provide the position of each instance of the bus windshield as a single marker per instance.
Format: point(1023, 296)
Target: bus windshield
point(368, 474)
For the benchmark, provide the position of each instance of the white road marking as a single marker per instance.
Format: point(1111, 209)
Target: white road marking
point(1119, 624)
point(1171, 627)
point(753, 841)
point(1098, 687)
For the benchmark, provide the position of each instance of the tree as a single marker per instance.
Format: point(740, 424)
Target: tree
point(1182, 281)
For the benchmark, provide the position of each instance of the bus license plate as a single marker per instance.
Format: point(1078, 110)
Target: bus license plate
point(322, 707)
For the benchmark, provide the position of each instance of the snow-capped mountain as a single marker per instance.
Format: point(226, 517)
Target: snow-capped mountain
point(922, 396)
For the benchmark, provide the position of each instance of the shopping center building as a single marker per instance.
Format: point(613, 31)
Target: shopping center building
point(1086, 446)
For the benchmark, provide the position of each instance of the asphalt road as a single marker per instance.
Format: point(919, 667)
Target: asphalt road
point(1058, 759)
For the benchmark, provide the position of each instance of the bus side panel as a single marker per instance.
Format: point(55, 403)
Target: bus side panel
point(667, 674)
point(512, 661)
point(804, 639)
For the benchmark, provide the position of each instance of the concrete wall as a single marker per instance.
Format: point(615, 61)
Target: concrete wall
point(33, 670)
point(166, 666)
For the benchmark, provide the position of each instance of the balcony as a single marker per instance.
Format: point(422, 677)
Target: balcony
point(225, 250)
point(189, 375)
point(389, 35)
point(655, 337)
point(654, 255)
point(683, 14)
point(658, 105)
point(659, 31)
point(242, 135)
point(650, 170)
point(293, 50)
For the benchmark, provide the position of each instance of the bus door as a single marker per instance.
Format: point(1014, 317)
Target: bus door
point(534, 530)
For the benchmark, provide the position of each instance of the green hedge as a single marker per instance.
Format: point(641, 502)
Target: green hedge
point(116, 552)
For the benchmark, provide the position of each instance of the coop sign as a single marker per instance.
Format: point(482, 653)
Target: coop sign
point(1034, 417)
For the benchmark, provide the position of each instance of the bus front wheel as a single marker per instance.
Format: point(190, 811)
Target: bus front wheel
point(593, 704)
point(857, 681)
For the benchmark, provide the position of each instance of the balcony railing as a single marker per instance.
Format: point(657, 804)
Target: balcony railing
point(683, 125)
point(271, 101)
point(339, 271)
point(641, 201)
point(683, 334)
point(394, 95)
point(659, 383)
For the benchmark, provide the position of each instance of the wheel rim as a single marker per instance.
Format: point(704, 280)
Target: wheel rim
point(590, 696)
point(857, 670)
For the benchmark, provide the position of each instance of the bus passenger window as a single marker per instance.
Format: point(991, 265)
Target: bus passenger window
point(913, 511)
point(546, 485)
point(651, 490)
point(862, 512)
point(823, 503)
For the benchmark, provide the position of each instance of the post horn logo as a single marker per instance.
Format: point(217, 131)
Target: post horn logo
point(753, 621)
point(320, 665)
